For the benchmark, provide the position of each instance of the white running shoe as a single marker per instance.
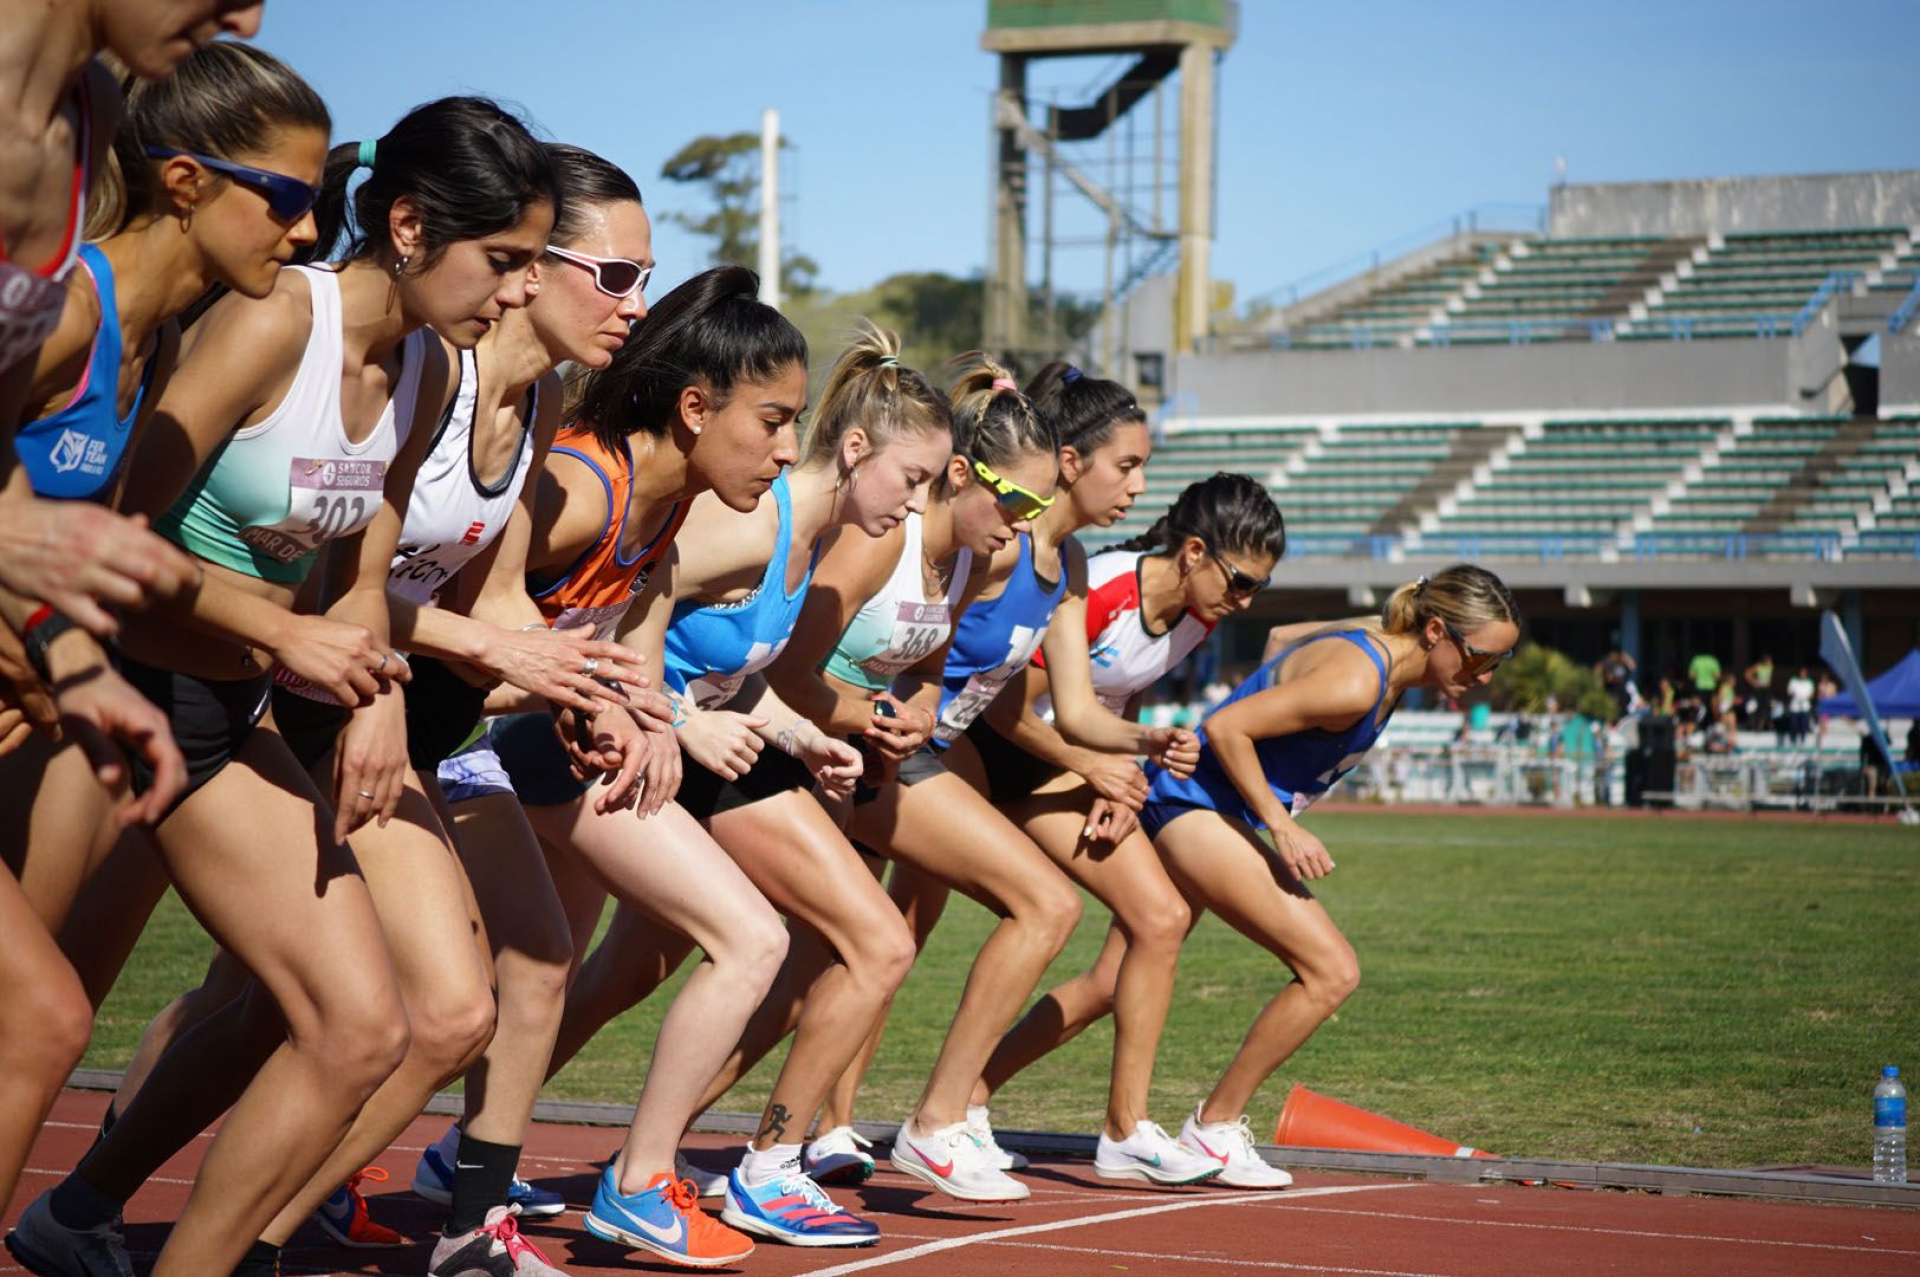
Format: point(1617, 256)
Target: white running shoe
point(1153, 1155)
point(1231, 1145)
point(45, 1245)
point(839, 1156)
point(705, 1183)
point(952, 1161)
point(982, 1131)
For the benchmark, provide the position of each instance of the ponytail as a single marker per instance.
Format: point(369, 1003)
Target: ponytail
point(1230, 512)
point(869, 388)
point(1463, 596)
point(992, 421)
point(713, 331)
point(1083, 410)
point(467, 165)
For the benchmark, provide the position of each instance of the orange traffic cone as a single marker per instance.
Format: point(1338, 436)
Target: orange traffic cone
point(1311, 1120)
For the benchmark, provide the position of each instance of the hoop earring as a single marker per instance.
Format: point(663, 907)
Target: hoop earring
point(186, 219)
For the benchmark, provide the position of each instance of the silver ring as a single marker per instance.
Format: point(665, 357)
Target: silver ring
point(383, 661)
point(588, 666)
point(366, 793)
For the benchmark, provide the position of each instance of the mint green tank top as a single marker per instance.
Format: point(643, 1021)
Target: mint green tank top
point(896, 628)
point(274, 493)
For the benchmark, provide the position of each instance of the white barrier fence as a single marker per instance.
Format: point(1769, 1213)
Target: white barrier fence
point(1557, 760)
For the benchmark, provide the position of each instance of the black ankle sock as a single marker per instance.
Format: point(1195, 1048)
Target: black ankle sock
point(261, 1260)
point(482, 1174)
point(74, 1203)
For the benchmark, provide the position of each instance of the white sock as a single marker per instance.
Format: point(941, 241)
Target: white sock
point(976, 1113)
point(761, 1166)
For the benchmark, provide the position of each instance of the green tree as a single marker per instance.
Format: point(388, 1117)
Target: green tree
point(729, 169)
point(1539, 676)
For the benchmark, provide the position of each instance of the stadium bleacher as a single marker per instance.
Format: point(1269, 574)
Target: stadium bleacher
point(1634, 288)
point(1812, 486)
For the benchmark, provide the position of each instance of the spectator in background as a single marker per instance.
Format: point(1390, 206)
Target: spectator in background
point(1799, 720)
point(1759, 694)
point(1664, 703)
point(1826, 688)
point(1704, 672)
point(1726, 704)
point(1616, 670)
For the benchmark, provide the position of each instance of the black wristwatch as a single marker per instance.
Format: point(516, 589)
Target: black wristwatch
point(40, 636)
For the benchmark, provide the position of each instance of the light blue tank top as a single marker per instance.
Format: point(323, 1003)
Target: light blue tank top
point(995, 640)
point(75, 453)
point(1299, 766)
point(713, 647)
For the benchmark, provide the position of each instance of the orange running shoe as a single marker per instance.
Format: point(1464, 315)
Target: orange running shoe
point(344, 1216)
point(665, 1218)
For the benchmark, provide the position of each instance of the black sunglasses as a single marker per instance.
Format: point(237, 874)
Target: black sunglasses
point(288, 198)
point(1239, 583)
point(1477, 660)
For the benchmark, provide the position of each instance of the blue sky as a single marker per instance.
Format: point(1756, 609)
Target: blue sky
point(1343, 127)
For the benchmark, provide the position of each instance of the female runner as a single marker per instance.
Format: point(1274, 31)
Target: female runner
point(704, 397)
point(454, 214)
point(1204, 560)
point(1103, 449)
point(63, 560)
point(880, 436)
point(1284, 737)
point(492, 438)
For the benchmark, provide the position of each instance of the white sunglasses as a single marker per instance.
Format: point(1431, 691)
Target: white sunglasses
point(614, 276)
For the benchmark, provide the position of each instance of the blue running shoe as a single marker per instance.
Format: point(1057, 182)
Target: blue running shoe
point(664, 1218)
point(433, 1182)
point(792, 1209)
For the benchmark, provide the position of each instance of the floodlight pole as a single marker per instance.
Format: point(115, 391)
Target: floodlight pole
point(770, 207)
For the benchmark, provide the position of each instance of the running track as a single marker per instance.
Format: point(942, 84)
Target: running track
point(1076, 1225)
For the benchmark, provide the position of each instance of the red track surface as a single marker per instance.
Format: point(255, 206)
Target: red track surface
point(1076, 1225)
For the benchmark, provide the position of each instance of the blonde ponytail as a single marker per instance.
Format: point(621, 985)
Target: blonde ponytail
point(869, 387)
point(1463, 596)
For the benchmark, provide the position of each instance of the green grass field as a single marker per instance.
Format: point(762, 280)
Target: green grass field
point(1709, 993)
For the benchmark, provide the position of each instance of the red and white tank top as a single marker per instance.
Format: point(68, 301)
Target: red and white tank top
point(31, 297)
point(1126, 656)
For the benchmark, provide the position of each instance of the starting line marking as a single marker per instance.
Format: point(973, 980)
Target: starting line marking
point(1237, 1264)
point(1616, 1232)
point(1141, 1212)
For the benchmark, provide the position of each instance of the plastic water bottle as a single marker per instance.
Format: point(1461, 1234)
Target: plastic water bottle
point(1889, 1128)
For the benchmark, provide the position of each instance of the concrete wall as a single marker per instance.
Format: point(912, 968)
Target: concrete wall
point(1900, 371)
point(1568, 378)
point(1717, 205)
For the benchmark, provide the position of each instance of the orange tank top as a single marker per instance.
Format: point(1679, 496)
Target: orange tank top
point(598, 587)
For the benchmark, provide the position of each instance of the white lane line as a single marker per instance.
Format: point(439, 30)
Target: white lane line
point(1141, 1212)
point(1614, 1232)
point(1236, 1264)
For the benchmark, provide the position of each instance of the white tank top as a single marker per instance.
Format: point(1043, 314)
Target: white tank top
point(277, 491)
point(896, 628)
point(451, 515)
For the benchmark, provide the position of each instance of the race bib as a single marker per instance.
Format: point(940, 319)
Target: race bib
point(972, 700)
point(918, 628)
point(330, 498)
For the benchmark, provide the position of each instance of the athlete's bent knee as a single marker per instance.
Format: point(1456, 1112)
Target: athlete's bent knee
point(44, 1027)
point(1161, 926)
point(449, 1032)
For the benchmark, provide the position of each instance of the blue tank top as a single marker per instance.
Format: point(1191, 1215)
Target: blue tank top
point(75, 453)
point(1299, 766)
point(713, 647)
point(995, 639)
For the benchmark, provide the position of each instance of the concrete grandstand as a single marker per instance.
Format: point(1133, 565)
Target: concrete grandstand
point(1685, 413)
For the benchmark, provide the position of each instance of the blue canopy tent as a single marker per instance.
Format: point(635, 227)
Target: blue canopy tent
point(1896, 693)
